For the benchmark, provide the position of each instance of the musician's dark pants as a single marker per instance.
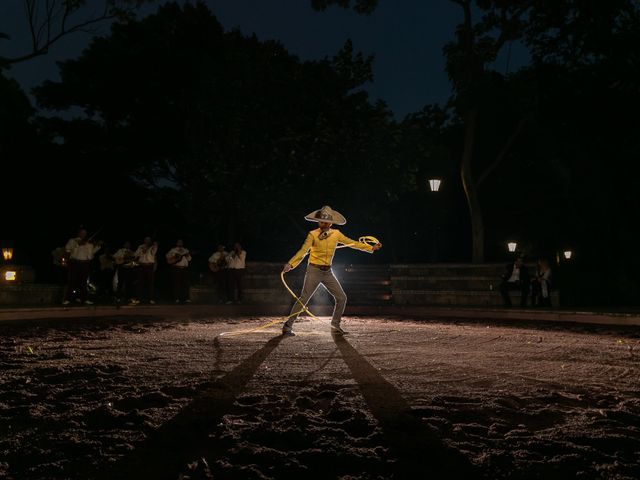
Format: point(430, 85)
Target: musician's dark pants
point(126, 278)
point(146, 279)
point(234, 277)
point(221, 284)
point(180, 277)
point(77, 281)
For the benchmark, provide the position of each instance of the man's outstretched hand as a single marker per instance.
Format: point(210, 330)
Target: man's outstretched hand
point(287, 267)
point(377, 246)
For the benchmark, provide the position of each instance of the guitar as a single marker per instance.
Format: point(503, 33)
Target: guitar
point(218, 265)
point(176, 257)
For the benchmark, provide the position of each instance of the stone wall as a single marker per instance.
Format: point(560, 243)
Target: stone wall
point(395, 284)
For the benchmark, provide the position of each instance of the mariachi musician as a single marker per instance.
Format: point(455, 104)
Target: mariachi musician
point(218, 265)
point(125, 276)
point(179, 258)
point(80, 251)
point(145, 257)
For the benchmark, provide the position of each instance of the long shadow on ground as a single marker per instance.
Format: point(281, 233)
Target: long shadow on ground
point(419, 451)
point(186, 437)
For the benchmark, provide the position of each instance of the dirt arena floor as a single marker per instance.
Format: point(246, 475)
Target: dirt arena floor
point(147, 397)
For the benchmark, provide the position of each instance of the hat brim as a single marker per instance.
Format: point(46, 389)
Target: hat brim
point(337, 218)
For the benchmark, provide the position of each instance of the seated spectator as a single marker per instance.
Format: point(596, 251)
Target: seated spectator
point(541, 285)
point(515, 277)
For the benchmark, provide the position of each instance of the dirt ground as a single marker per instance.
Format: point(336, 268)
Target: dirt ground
point(156, 398)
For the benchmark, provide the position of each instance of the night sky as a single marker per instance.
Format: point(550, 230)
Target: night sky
point(406, 37)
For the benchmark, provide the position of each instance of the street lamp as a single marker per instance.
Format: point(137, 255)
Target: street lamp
point(567, 254)
point(7, 254)
point(511, 246)
point(434, 184)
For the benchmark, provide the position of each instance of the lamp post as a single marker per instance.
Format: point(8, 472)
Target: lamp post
point(7, 254)
point(434, 187)
point(567, 254)
point(434, 184)
point(9, 274)
point(511, 246)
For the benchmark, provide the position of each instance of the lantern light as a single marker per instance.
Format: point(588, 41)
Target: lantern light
point(512, 246)
point(10, 276)
point(7, 254)
point(434, 184)
point(567, 254)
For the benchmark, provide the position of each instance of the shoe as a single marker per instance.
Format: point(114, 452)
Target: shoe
point(229, 302)
point(88, 302)
point(177, 301)
point(133, 301)
point(152, 302)
point(337, 330)
point(187, 301)
point(287, 333)
point(66, 302)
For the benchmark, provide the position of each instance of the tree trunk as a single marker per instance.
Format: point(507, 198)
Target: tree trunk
point(470, 190)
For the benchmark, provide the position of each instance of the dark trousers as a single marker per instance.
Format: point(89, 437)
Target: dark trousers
point(505, 287)
point(234, 279)
point(180, 280)
point(537, 299)
point(126, 279)
point(221, 284)
point(106, 282)
point(77, 280)
point(146, 279)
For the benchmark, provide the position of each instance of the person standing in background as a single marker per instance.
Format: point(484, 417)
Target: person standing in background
point(218, 266)
point(126, 266)
point(236, 264)
point(179, 258)
point(145, 256)
point(80, 251)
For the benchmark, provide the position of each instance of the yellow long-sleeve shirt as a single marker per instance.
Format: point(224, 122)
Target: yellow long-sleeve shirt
point(321, 251)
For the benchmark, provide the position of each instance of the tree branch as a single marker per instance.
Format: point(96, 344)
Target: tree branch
point(56, 17)
point(503, 153)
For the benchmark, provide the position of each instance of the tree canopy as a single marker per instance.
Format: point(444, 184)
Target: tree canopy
point(238, 135)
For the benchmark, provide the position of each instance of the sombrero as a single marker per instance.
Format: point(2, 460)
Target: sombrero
point(326, 214)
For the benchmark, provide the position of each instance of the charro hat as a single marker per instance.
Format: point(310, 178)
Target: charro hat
point(326, 214)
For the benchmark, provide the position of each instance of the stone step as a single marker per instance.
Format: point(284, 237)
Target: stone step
point(444, 283)
point(458, 297)
point(447, 270)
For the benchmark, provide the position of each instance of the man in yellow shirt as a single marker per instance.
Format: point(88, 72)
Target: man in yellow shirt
point(321, 244)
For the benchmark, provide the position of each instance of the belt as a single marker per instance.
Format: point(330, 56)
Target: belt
point(321, 267)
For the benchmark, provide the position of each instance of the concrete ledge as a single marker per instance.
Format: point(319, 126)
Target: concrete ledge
point(411, 312)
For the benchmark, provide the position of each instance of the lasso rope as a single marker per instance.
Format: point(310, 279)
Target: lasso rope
point(368, 240)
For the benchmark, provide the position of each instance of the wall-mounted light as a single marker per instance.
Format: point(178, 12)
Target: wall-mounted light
point(434, 184)
point(7, 254)
point(10, 276)
point(511, 246)
point(567, 254)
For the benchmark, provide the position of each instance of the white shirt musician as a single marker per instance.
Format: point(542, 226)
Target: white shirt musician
point(81, 251)
point(235, 269)
point(146, 256)
point(179, 257)
point(80, 248)
point(124, 256)
point(146, 253)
